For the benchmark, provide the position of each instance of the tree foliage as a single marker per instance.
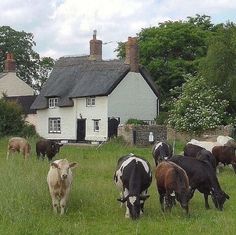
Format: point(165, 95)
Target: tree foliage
point(219, 66)
point(11, 118)
point(30, 68)
point(196, 106)
point(173, 49)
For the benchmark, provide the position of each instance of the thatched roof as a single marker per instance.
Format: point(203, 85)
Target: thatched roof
point(74, 77)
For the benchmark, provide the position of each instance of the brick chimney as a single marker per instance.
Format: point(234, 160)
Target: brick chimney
point(10, 63)
point(132, 54)
point(95, 48)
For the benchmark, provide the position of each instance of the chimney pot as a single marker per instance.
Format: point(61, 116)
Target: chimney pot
point(132, 54)
point(10, 63)
point(95, 48)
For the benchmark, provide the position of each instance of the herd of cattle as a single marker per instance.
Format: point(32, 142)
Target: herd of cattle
point(177, 177)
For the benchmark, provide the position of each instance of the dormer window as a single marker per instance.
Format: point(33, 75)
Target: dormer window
point(90, 101)
point(52, 102)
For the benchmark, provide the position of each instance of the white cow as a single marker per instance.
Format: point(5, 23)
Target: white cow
point(226, 140)
point(59, 181)
point(208, 145)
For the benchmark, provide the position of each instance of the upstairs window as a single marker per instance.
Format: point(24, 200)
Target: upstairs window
point(52, 102)
point(90, 101)
point(54, 125)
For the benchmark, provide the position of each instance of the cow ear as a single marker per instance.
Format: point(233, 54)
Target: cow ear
point(54, 165)
point(73, 165)
point(144, 197)
point(122, 199)
point(226, 195)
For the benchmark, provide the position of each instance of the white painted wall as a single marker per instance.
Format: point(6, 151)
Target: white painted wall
point(14, 86)
point(68, 123)
point(132, 98)
point(99, 111)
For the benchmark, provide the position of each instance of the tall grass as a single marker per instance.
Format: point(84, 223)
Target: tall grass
point(25, 206)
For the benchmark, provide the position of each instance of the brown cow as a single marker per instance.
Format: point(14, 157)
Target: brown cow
point(172, 181)
point(20, 145)
point(225, 155)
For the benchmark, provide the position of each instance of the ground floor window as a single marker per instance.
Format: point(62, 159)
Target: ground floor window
point(96, 124)
point(54, 125)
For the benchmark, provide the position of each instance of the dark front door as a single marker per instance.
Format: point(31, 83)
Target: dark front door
point(81, 129)
point(112, 126)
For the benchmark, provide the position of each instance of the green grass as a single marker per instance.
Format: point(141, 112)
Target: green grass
point(25, 206)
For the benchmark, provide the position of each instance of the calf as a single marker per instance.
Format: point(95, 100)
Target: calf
point(161, 151)
point(133, 177)
point(59, 181)
point(203, 178)
point(47, 147)
point(172, 179)
point(20, 145)
point(225, 155)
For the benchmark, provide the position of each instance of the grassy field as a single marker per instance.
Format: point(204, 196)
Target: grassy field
point(25, 206)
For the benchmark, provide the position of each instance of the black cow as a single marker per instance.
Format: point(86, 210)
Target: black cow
point(47, 147)
point(161, 151)
point(191, 150)
point(200, 153)
point(203, 178)
point(133, 177)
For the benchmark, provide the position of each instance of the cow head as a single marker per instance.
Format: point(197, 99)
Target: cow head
point(183, 198)
point(219, 198)
point(63, 167)
point(135, 204)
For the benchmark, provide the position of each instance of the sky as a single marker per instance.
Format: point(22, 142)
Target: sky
point(64, 27)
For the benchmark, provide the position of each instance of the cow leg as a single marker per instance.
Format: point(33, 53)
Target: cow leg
point(55, 203)
point(206, 201)
point(127, 212)
point(161, 199)
point(63, 205)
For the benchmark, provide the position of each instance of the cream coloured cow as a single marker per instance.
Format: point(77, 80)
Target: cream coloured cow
point(20, 145)
point(59, 181)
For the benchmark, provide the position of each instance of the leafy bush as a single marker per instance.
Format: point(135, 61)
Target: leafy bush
point(28, 131)
point(162, 118)
point(11, 118)
point(197, 107)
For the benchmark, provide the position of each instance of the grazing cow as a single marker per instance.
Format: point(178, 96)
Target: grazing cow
point(161, 151)
point(200, 153)
point(133, 177)
point(203, 178)
point(172, 179)
point(20, 145)
point(225, 155)
point(226, 140)
point(208, 145)
point(47, 147)
point(59, 181)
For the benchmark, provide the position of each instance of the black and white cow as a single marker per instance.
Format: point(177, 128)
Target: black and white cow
point(161, 151)
point(133, 177)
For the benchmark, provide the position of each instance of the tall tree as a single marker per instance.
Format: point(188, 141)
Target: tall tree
point(219, 66)
point(28, 61)
point(173, 49)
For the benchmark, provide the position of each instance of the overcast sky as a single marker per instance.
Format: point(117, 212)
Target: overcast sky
point(64, 27)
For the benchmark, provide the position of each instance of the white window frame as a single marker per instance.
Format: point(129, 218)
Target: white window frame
point(53, 102)
point(54, 125)
point(90, 101)
point(96, 125)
